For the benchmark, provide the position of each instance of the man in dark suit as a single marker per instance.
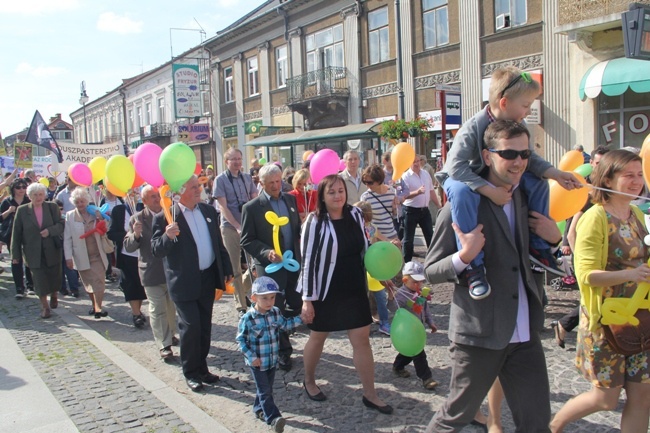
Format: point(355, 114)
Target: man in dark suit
point(257, 240)
point(195, 262)
point(499, 335)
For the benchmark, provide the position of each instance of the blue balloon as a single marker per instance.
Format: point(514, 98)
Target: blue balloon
point(91, 208)
point(288, 262)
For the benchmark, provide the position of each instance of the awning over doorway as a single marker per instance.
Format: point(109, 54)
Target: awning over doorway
point(614, 77)
point(341, 133)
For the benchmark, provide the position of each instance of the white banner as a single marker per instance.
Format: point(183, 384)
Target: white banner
point(42, 166)
point(84, 153)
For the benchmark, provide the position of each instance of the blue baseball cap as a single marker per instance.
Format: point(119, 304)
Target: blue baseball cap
point(265, 286)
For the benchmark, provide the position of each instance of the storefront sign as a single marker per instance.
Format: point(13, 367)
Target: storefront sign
point(634, 129)
point(252, 127)
point(194, 132)
point(187, 94)
point(229, 131)
point(436, 120)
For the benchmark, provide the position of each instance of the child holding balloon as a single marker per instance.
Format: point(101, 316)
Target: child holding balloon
point(511, 95)
point(373, 236)
point(413, 297)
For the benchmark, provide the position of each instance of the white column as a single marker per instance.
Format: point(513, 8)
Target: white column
point(351, 47)
point(557, 87)
point(470, 57)
point(407, 60)
point(264, 73)
point(295, 50)
point(217, 131)
point(239, 97)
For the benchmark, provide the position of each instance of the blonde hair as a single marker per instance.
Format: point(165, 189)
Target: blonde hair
point(502, 78)
point(301, 175)
point(366, 208)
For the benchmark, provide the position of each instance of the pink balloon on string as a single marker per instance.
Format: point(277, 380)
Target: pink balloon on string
point(342, 165)
point(324, 163)
point(146, 160)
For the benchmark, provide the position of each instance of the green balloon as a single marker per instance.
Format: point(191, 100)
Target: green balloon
point(262, 161)
point(383, 260)
point(177, 164)
point(561, 225)
point(407, 333)
point(584, 170)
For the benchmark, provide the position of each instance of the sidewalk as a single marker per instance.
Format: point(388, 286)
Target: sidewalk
point(74, 373)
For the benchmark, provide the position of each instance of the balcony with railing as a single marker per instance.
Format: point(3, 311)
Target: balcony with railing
point(575, 11)
point(155, 130)
point(326, 85)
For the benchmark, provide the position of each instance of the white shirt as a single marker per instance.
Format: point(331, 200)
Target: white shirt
point(414, 181)
point(201, 234)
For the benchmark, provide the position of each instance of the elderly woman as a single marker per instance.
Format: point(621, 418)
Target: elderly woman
point(36, 236)
point(333, 284)
point(305, 199)
point(611, 262)
point(8, 207)
point(86, 255)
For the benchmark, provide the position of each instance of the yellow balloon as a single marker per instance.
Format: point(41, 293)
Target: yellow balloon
point(571, 160)
point(120, 172)
point(401, 157)
point(373, 284)
point(44, 181)
point(621, 311)
point(645, 147)
point(97, 167)
point(276, 222)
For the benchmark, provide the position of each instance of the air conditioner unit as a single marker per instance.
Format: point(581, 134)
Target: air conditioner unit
point(503, 21)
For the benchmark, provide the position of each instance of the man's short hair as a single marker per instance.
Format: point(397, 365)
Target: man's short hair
point(579, 147)
point(386, 156)
point(146, 189)
point(267, 170)
point(502, 78)
point(503, 129)
point(230, 152)
point(348, 153)
point(600, 150)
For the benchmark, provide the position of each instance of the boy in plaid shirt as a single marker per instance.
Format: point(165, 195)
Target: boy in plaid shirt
point(257, 335)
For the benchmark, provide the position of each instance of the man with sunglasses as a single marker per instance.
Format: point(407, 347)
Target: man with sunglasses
point(511, 95)
point(499, 337)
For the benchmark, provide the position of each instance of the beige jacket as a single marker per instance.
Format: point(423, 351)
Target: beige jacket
point(75, 248)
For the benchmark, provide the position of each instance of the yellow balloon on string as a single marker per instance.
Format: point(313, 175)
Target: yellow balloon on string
point(276, 222)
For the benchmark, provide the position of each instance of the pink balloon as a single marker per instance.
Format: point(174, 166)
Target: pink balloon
point(145, 161)
point(311, 155)
point(80, 174)
point(324, 163)
point(342, 165)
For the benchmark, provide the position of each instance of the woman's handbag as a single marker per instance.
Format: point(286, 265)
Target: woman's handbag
point(107, 245)
point(629, 339)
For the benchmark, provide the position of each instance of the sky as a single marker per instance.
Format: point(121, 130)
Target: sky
point(49, 47)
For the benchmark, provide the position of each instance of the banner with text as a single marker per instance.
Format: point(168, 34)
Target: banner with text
point(193, 132)
point(84, 153)
point(187, 93)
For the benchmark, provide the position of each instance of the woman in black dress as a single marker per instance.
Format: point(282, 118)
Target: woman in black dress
point(333, 284)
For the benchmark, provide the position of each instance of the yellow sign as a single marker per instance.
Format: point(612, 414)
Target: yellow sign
point(23, 155)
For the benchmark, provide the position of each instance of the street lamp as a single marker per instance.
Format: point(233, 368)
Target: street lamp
point(82, 100)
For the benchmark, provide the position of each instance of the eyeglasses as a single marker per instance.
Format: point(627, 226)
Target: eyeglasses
point(20, 186)
point(368, 182)
point(523, 76)
point(510, 154)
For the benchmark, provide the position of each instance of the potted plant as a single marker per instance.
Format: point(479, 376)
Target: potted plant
point(400, 129)
point(419, 127)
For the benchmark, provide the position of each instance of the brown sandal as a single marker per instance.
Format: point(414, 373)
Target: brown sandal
point(54, 302)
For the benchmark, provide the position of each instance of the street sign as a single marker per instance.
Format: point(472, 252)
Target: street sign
point(448, 88)
point(452, 109)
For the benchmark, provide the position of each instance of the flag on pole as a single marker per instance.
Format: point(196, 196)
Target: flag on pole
point(39, 134)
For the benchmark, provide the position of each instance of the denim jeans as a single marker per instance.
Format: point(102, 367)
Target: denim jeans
point(382, 308)
point(73, 279)
point(264, 398)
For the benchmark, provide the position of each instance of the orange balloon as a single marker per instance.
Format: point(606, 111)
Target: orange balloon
point(230, 289)
point(306, 154)
point(166, 201)
point(218, 294)
point(645, 147)
point(571, 160)
point(402, 157)
point(564, 204)
point(197, 169)
point(112, 189)
point(645, 163)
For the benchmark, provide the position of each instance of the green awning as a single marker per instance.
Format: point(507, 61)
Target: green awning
point(614, 77)
point(341, 133)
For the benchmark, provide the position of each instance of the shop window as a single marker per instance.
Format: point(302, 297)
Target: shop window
point(281, 66)
point(378, 35)
point(510, 13)
point(623, 120)
point(435, 20)
point(228, 93)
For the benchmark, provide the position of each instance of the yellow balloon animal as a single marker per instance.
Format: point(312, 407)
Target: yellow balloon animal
point(621, 311)
point(276, 222)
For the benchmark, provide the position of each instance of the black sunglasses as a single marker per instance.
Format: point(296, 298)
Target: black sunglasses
point(510, 154)
point(20, 186)
point(368, 182)
point(523, 76)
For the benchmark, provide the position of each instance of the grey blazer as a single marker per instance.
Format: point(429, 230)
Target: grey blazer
point(488, 323)
point(150, 268)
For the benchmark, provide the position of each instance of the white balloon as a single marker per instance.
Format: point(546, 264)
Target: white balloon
point(646, 240)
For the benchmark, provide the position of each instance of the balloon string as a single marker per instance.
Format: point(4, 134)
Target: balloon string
point(617, 192)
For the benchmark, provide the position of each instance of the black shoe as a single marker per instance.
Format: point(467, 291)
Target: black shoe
point(74, 294)
point(318, 397)
point(260, 415)
point(20, 293)
point(555, 325)
point(139, 321)
point(209, 378)
point(100, 314)
point(194, 384)
point(386, 409)
point(166, 353)
point(277, 425)
point(175, 341)
point(91, 312)
point(478, 285)
point(284, 363)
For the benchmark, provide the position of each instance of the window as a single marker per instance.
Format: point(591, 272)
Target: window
point(510, 13)
point(623, 120)
point(161, 110)
point(252, 76)
point(138, 118)
point(227, 85)
point(325, 48)
point(378, 35)
point(281, 65)
point(436, 23)
point(131, 125)
point(147, 114)
point(67, 135)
